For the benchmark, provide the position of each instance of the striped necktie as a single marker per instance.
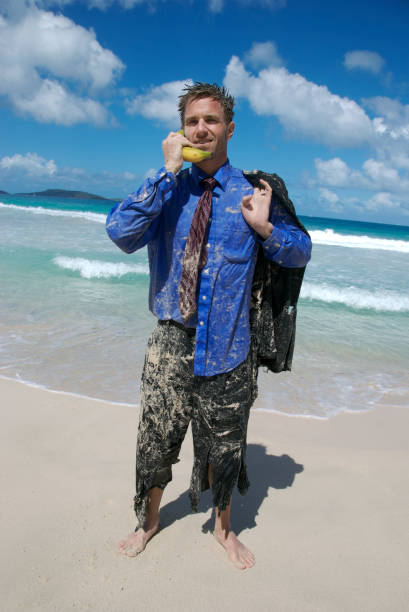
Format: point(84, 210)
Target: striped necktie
point(195, 256)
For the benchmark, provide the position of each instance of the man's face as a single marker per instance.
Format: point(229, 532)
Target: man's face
point(205, 127)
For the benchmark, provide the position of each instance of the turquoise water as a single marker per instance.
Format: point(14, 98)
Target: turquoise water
point(74, 313)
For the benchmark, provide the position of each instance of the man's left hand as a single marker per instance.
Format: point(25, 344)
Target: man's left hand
point(255, 209)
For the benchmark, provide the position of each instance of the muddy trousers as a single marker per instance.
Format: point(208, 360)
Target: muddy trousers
point(172, 397)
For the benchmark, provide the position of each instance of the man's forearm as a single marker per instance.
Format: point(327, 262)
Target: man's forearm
point(290, 248)
point(133, 223)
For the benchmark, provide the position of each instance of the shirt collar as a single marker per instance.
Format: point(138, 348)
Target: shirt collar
point(222, 175)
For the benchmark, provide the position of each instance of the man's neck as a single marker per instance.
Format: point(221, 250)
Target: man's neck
point(211, 166)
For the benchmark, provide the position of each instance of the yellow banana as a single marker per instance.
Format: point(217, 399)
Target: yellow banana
point(192, 154)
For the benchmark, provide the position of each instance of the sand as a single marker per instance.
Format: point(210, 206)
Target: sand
point(326, 515)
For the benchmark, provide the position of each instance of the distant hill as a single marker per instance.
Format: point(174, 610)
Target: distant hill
point(63, 193)
point(4, 192)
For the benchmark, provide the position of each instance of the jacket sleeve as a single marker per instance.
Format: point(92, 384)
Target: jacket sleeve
point(287, 244)
point(131, 224)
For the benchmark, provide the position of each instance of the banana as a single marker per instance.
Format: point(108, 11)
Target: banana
point(191, 154)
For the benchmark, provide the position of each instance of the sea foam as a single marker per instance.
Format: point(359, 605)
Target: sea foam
point(56, 212)
point(324, 237)
point(331, 238)
point(94, 268)
point(356, 298)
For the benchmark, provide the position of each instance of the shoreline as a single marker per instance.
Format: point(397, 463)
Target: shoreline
point(326, 514)
point(256, 408)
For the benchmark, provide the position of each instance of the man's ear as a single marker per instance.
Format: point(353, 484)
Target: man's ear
point(230, 129)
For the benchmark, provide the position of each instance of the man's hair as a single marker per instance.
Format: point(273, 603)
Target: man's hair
point(207, 90)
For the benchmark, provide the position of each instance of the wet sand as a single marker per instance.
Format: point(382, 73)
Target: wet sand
point(326, 514)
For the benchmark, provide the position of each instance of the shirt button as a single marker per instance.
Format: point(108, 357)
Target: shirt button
point(206, 271)
point(204, 297)
point(208, 245)
point(201, 323)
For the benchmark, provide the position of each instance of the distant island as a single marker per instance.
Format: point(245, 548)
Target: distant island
point(4, 192)
point(62, 193)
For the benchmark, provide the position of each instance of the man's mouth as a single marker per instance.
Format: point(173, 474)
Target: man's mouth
point(202, 143)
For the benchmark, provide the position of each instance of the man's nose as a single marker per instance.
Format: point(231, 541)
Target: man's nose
point(201, 127)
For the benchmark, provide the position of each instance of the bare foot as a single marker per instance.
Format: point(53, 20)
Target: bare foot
point(239, 555)
point(136, 541)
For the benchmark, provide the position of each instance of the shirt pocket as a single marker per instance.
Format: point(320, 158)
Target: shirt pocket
point(239, 241)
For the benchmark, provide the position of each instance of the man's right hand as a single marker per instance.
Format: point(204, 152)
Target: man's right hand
point(172, 151)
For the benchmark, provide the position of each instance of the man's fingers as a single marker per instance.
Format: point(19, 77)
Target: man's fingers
point(265, 185)
point(180, 138)
point(246, 201)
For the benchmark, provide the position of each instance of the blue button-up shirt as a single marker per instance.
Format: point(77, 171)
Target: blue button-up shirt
point(159, 215)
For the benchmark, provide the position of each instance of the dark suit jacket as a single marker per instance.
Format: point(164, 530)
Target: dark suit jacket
point(275, 292)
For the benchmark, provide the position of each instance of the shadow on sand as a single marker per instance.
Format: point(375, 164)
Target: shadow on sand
point(264, 471)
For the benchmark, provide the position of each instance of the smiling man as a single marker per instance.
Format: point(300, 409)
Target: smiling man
point(203, 227)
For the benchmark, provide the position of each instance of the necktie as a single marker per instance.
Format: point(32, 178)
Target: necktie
point(195, 256)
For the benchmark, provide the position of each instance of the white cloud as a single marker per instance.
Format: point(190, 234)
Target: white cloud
point(42, 55)
point(30, 172)
point(394, 119)
point(30, 163)
point(216, 6)
point(364, 60)
point(129, 176)
point(382, 200)
point(304, 108)
point(160, 102)
point(374, 175)
point(333, 172)
point(150, 173)
point(126, 4)
point(379, 172)
point(263, 54)
point(329, 196)
point(52, 103)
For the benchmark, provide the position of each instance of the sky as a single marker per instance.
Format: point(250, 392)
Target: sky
point(89, 89)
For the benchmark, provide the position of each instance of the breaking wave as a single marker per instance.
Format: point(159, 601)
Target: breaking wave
point(94, 268)
point(356, 298)
point(55, 212)
point(331, 238)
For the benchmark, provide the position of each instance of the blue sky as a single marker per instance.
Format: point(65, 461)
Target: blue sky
point(88, 90)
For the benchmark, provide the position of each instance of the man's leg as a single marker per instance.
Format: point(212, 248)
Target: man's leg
point(136, 541)
point(219, 427)
point(165, 416)
point(238, 553)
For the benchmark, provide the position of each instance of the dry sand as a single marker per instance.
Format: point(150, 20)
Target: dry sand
point(326, 515)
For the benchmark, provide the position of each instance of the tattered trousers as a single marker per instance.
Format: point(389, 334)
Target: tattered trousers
point(172, 397)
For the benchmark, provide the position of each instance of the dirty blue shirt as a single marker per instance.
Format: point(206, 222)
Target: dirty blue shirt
point(159, 215)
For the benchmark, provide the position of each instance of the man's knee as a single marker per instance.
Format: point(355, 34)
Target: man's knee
point(162, 477)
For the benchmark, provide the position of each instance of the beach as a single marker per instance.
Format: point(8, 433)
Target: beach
point(326, 513)
point(328, 449)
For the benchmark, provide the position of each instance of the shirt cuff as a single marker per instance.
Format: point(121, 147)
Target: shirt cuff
point(274, 242)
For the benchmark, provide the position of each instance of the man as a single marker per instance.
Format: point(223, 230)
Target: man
point(203, 236)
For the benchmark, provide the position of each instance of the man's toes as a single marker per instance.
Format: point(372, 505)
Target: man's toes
point(240, 564)
point(248, 559)
point(121, 546)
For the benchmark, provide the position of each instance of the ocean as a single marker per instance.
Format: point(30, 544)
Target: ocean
point(74, 310)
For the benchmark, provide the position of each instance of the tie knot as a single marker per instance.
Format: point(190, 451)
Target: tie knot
point(209, 183)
